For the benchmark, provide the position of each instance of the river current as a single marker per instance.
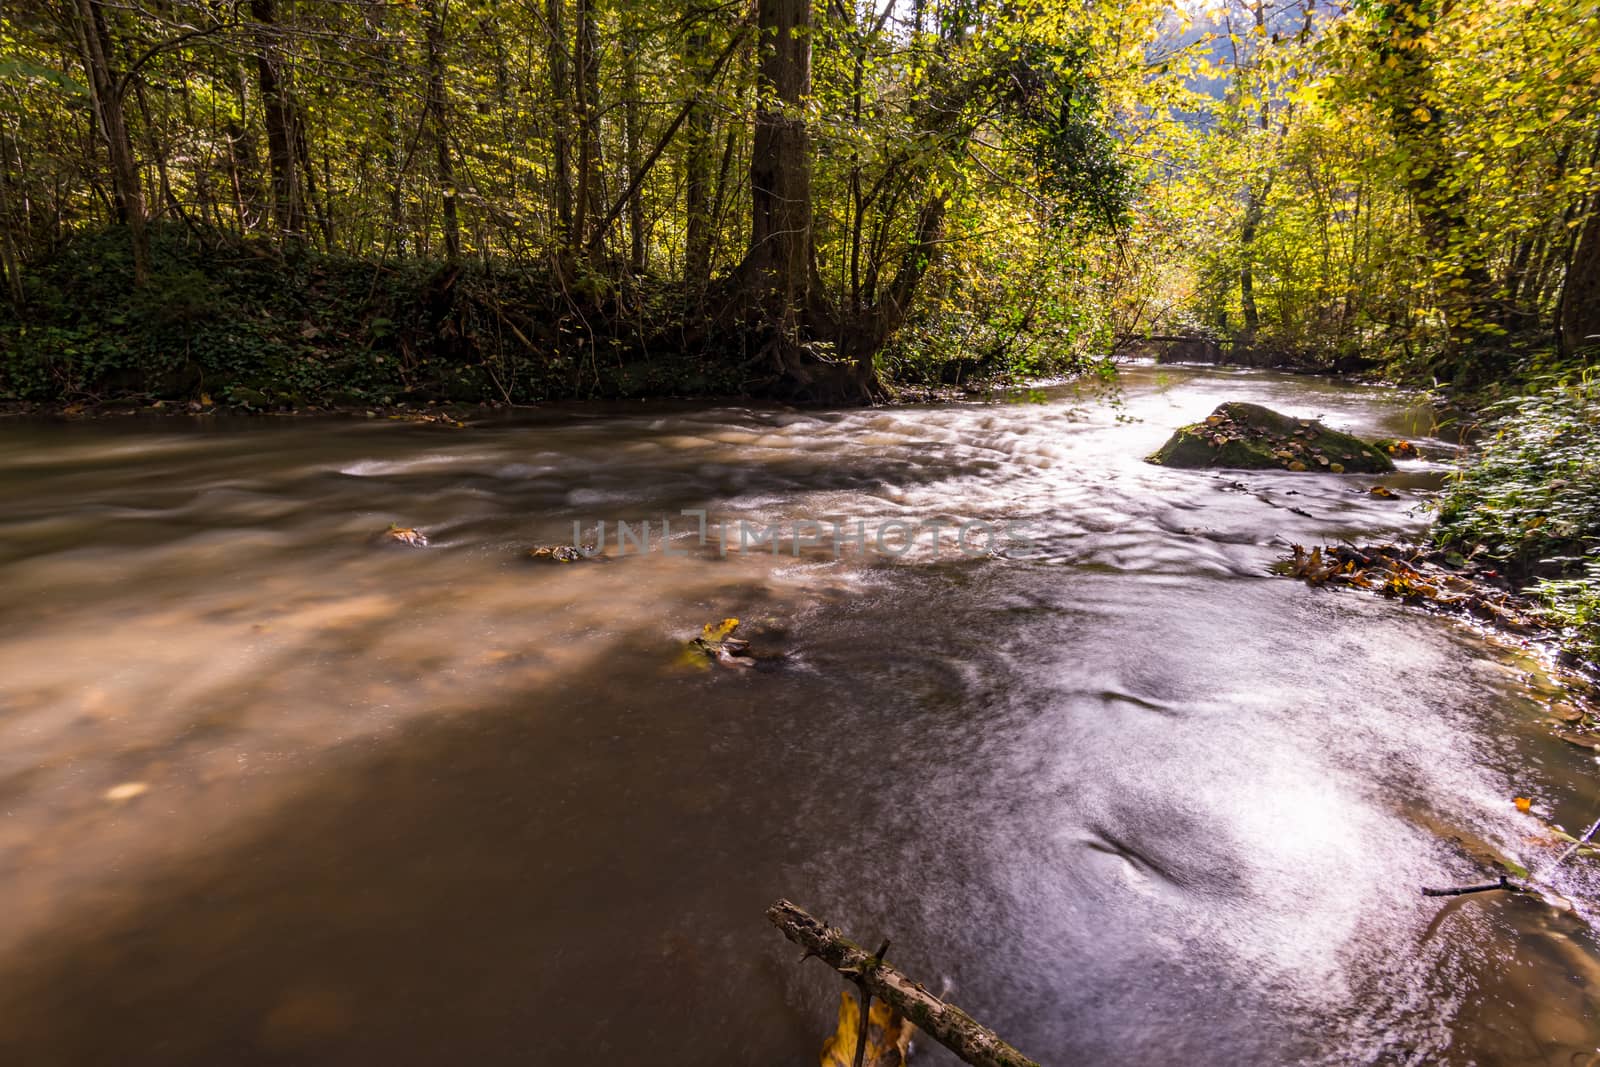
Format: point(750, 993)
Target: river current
point(274, 795)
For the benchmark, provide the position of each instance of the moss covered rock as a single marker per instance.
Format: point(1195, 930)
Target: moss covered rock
point(1251, 437)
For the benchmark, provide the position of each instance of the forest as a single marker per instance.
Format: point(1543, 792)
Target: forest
point(304, 201)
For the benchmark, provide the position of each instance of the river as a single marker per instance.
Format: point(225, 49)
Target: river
point(275, 795)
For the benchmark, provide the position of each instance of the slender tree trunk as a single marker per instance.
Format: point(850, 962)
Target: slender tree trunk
point(10, 262)
point(392, 152)
point(586, 53)
point(106, 98)
point(635, 154)
point(317, 202)
point(561, 124)
point(697, 168)
point(1255, 208)
point(1247, 276)
point(10, 258)
point(438, 120)
point(245, 157)
point(288, 197)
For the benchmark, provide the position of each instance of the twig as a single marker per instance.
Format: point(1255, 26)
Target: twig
point(947, 1024)
point(1579, 843)
point(1485, 887)
point(866, 1005)
point(1518, 887)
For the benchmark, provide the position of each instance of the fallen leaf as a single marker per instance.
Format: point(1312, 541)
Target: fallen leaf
point(1383, 491)
point(404, 535)
point(888, 1035)
point(1523, 803)
point(561, 553)
point(718, 631)
point(716, 642)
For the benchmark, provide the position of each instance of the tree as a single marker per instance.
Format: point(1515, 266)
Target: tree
point(106, 93)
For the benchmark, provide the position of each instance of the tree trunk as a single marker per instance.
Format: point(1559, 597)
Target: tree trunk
point(778, 264)
point(560, 136)
point(393, 158)
point(288, 196)
point(777, 276)
point(586, 54)
point(439, 122)
point(10, 258)
point(1414, 117)
point(106, 97)
point(697, 167)
point(1247, 277)
point(1255, 209)
point(1580, 293)
point(635, 155)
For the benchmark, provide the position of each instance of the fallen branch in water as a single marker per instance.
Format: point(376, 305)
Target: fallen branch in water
point(1571, 849)
point(1486, 887)
point(945, 1023)
point(1518, 887)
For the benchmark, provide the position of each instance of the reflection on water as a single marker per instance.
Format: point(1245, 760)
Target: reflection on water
point(273, 795)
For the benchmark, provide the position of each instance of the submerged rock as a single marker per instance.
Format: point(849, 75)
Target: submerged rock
point(1251, 437)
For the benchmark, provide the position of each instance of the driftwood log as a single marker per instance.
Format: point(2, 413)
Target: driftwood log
point(945, 1023)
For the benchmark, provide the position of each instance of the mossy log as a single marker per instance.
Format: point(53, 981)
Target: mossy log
point(945, 1023)
point(1251, 437)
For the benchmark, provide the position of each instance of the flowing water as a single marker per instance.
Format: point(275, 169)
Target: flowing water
point(274, 795)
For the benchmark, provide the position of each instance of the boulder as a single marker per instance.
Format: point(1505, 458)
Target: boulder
point(1251, 437)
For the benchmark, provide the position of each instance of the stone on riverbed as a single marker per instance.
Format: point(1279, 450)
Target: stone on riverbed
point(1251, 437)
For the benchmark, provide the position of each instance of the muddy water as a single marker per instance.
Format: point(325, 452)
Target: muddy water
point(272, 795)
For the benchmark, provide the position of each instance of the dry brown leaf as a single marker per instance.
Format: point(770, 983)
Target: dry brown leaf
point(405, 535)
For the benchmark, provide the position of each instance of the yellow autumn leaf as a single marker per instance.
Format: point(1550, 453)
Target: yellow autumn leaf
point(718, 631)
point(888, 1035)
point(1524, 803)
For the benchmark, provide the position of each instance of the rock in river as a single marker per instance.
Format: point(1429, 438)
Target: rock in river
point(1251, 437)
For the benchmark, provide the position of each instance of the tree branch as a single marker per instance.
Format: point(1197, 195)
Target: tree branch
point(945, 1023)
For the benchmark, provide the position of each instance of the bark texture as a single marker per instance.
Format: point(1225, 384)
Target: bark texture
point(1580, 298)
point(945, 1023)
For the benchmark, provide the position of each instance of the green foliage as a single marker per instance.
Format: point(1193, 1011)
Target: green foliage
point(1532, 495)
point(1575, 604)
point(242, 324)
point(1531, 499)
point(1392, 183)
point(1007, 309)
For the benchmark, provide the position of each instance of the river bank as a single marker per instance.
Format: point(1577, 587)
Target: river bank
point(242, 324)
